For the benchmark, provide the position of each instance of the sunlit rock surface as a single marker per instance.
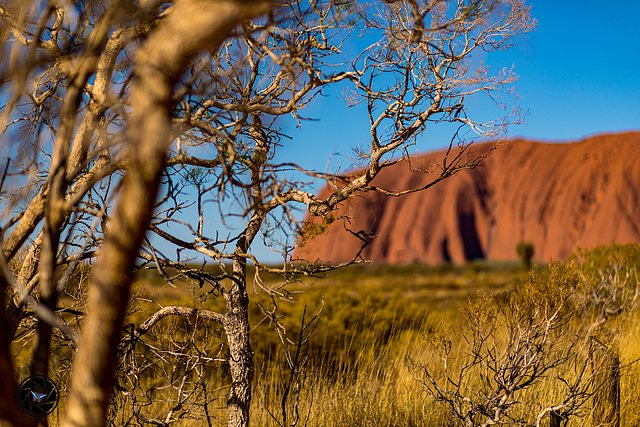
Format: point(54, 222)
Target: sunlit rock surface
point(557, 196)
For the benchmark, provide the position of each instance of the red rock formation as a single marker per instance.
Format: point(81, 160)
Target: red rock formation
point(557, 196)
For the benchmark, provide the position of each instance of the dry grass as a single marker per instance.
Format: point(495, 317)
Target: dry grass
point(358, 372)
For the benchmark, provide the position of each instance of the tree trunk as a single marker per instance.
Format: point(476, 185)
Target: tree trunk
point(605, 366)
point(236, 325)
point(240, 353)
point(192, 25)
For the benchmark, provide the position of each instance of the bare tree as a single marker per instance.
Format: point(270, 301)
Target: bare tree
point(119, 111)
point(612, 286)
point(509, 344)
point(187, 28)
point(556, 330)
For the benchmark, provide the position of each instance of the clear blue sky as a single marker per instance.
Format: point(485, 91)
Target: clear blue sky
point(579, 76)
point(580, 70)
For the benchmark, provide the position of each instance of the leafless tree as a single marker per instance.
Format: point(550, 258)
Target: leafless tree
point(611, 283)
point(549, 331)
point(507, 344)
point(116, 113)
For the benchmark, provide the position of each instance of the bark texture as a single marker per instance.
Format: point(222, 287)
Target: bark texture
point(236, 326)
point(191, 26)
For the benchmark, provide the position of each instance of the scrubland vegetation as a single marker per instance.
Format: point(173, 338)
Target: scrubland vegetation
point(399, 346)
point(127, 123)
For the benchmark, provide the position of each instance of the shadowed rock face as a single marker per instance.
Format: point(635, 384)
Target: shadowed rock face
point(558, 196)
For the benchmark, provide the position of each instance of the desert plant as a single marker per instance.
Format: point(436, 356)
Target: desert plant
point(126, 114)
point(525, 251)
point(607, 296)
point(507, 343)
point(611, 285)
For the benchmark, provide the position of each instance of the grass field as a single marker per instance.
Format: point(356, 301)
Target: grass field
point(360, 361)
point(366, 350)
point(372, 317)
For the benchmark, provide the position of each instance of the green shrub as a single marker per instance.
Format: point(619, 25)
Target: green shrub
point(525, 252)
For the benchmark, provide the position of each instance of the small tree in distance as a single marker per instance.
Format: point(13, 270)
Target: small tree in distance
point(146, 115)
point(525, 251)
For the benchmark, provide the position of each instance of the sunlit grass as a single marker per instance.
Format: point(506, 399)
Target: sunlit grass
point(363, 353)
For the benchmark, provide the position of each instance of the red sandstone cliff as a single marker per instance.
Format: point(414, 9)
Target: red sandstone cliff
point(558, 196)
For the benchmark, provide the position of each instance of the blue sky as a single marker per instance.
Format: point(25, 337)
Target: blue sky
point(579, 71)
point(579, 76)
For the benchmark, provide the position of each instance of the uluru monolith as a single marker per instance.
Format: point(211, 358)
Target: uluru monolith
point(558, 196)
